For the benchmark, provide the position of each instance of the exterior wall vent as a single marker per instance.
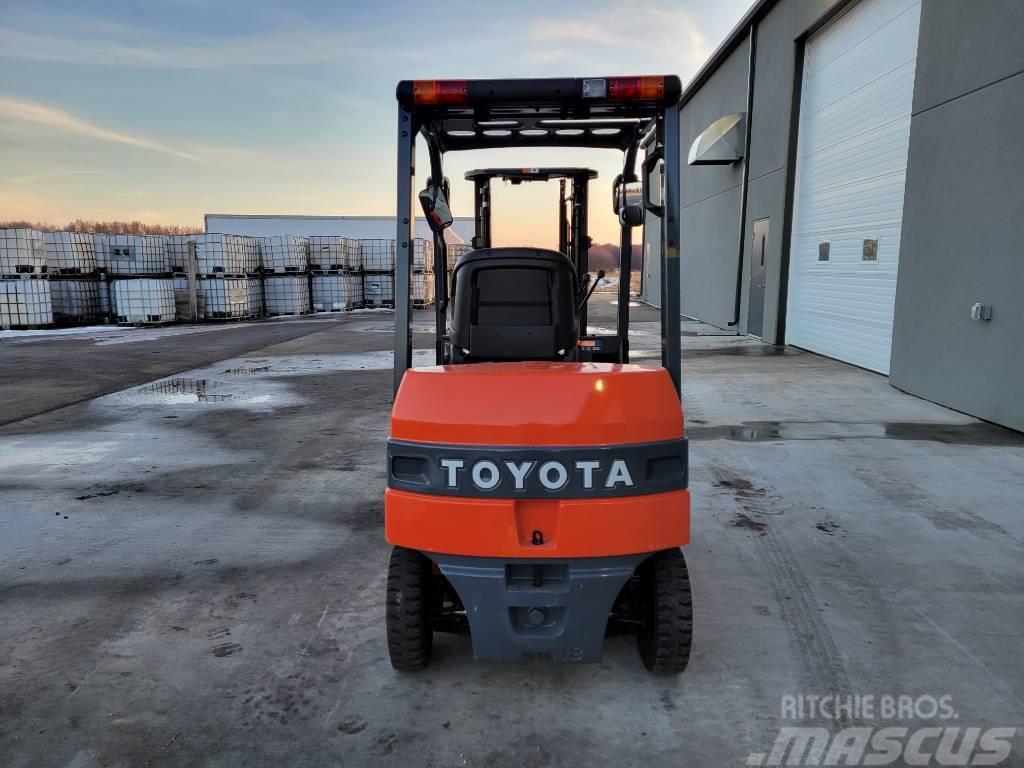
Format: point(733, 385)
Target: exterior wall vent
point(721, 143)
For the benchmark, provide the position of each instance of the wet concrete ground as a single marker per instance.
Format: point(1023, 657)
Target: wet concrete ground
point(192, 561)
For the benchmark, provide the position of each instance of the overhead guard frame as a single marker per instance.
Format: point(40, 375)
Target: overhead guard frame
point(553, 113)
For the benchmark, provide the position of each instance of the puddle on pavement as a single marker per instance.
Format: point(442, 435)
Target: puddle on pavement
point(971, 433)
point(388, 328)
point(185, 390)
point(264, 384)
point(741, 350)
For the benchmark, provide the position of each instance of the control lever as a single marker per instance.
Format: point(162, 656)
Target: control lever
point(593, 286)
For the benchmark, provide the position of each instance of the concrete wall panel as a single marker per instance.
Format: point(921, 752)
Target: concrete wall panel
point(773, 89)
point(808, 12)
point(723, 94)
point(960, 245)
point(965, 46)
point(709, 226)
point(708, 257)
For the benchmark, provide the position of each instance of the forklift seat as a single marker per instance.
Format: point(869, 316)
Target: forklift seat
point(513, 304)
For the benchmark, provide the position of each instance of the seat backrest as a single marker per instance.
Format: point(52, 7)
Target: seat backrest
point(513, 304)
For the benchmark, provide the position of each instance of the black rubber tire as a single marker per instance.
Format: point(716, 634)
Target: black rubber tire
point(410, 638)
point(666, 636)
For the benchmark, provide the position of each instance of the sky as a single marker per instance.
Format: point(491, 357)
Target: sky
point(161, 111)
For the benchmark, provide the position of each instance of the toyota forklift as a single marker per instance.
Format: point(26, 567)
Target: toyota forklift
point(537, 482)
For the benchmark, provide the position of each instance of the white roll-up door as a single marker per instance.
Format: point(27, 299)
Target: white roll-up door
point(858, 88)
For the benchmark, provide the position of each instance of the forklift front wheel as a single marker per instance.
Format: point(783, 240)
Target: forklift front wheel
point(410, 637)
point(666, 634)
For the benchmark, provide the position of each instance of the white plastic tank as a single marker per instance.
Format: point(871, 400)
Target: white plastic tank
point(286, 294)
point(177, 251)
point(143, 300)
point(422, 288)
point(25, 303)
point(378, 255)
point(329, 253)
point(284, 253)
point(334, 293)
point(182, 302)
point(133, 255)
point(101, 247)
point(22, 252)
point(455, 252)
point(161, 243)
point(226, 298)
point(218, 254)
point(70, 253)
point(252, 259)
point(378, 290)
point(75, 299)
point(422, 255)
point(254, 289)
point(355, 255)
point(106, 299)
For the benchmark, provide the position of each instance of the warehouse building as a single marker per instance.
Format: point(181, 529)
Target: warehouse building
point(853, 187)
point(356, 227)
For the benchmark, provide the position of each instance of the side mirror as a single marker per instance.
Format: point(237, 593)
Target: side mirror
point(625, 194)
point(653, 183)
point(627, 202)
point(435, 208)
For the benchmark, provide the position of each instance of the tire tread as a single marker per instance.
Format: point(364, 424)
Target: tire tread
point(410, 637)
point(665, 645)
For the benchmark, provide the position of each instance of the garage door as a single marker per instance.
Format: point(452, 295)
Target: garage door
point(851, 170)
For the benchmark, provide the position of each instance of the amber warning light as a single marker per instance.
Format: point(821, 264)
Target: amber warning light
point(440, 91)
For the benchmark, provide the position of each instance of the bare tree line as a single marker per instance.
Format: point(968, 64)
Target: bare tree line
point(105, 227)
point(606, 256)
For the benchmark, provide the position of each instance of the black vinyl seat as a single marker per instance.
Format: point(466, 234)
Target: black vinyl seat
point(513, 304)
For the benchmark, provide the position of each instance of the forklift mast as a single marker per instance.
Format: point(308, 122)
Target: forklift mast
point(573, 187)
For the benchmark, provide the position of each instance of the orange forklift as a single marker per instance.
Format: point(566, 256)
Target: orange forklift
point(537, 491)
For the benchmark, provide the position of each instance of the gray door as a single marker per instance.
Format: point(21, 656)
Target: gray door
point(755, 295)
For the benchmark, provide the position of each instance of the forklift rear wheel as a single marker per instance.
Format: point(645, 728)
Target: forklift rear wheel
point(410, 637)
point(666, 634)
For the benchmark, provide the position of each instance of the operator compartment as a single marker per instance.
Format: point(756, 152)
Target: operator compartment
point(537, 459)
point(513, 304)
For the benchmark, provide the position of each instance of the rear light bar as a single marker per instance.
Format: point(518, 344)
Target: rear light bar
point(639, 88)
point(440, 91)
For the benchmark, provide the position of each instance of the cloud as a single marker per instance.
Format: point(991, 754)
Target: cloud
point(285, 58)
point(15, 111)
point(60, 120)
point(651, 40)
point(117, 45)
point(32, 178)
